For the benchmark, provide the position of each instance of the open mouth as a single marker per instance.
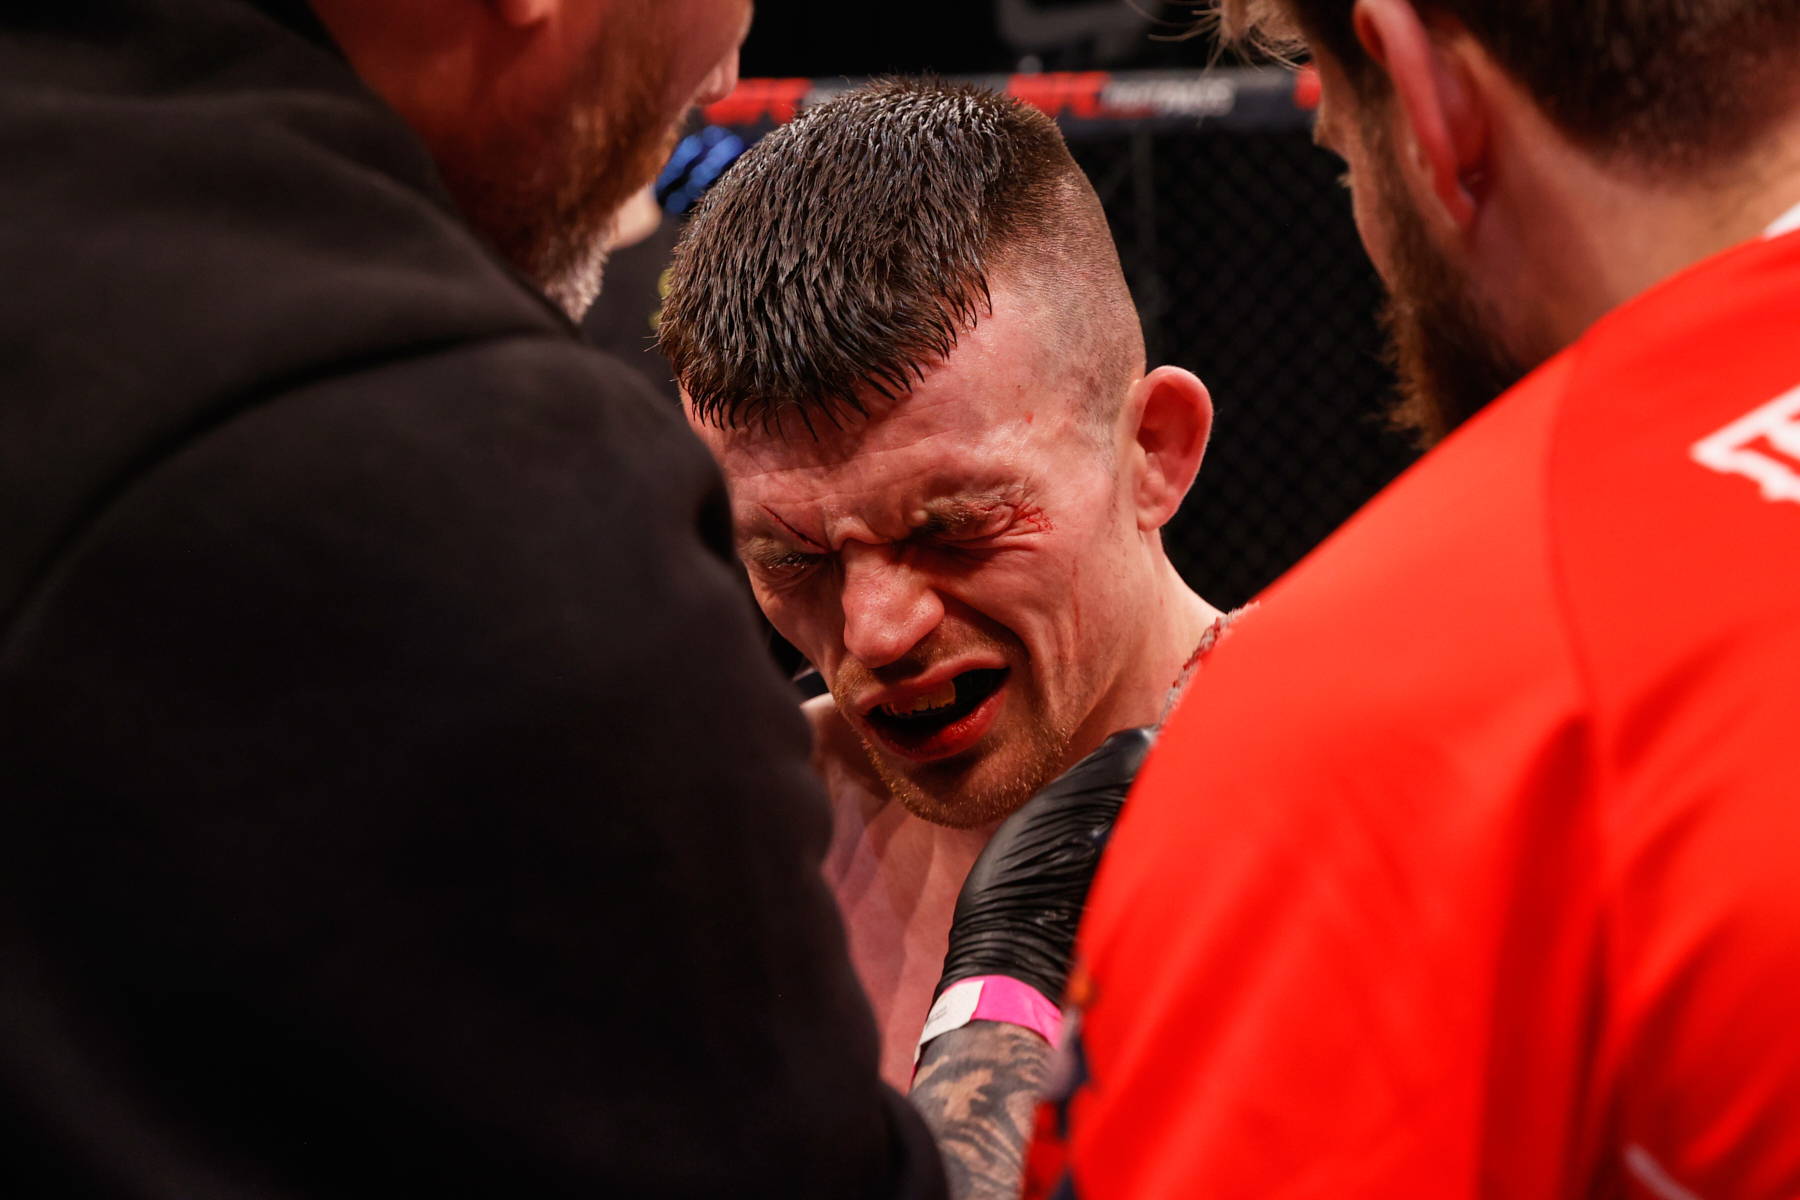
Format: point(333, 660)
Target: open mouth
point(931, 722)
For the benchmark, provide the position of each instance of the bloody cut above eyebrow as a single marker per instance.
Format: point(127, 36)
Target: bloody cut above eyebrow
point(797, 535)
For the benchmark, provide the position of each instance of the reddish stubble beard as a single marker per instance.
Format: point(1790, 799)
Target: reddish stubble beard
point(1443, 340)
point(544, 189)
point(958, 793)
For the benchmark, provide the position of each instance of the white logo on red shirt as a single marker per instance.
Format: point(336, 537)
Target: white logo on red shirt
point(1763, 445)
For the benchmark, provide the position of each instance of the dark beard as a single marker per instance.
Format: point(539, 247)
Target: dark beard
point(1442, 341)
point(544, 193)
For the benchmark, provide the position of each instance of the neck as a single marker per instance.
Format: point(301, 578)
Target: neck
point(1175, 620)
point(1574, 238)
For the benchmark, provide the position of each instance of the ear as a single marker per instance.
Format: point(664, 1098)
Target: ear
point(1439, 126)
point(1172, 411)
point(721, 82)
point(522, 14)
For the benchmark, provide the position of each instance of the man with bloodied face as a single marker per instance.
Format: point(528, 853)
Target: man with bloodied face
point(901, 326)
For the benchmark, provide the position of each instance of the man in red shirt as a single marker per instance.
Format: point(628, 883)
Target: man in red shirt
point(1467, 867)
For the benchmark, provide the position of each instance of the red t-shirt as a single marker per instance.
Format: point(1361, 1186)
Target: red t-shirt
point(1471, 863)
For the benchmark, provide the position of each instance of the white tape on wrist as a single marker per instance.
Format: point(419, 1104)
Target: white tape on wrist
point(991, 998)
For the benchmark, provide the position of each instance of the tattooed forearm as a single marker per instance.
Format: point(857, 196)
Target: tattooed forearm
point(978, 1088)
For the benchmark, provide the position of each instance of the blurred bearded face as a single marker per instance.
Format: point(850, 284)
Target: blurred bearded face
point(544, 182)
point(1444, 340)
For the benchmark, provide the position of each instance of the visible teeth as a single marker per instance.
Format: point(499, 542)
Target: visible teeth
point(941, 697)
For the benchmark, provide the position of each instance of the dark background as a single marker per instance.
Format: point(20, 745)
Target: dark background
point(822, 38)
point(1246, 268)
point(1238, 244)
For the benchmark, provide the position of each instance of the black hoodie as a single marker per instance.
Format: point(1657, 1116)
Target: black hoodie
point(394, 797)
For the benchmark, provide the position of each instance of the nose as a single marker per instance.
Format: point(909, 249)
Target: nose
point(889, 606)
point(721, 83)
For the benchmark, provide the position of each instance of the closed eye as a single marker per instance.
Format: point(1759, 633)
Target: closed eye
point(776, 563)
point(792, 561)
point(966, 525)
point(963, 540)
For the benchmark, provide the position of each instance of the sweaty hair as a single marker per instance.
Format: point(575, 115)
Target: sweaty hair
point(847, 251)
point(1666, 86)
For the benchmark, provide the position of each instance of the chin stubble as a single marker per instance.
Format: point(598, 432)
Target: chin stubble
point(577, 285)
point(962, 805)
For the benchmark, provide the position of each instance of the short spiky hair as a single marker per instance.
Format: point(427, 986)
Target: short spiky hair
point(849, 249)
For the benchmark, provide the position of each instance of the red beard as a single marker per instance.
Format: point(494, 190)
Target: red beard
point(543, 188)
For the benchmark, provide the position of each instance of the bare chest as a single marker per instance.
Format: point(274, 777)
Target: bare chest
point(896, 878)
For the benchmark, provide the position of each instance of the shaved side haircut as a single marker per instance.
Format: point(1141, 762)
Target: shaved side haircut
point(846, 252)
point(1666, 86)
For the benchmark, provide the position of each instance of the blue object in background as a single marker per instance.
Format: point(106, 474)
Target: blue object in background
point(699, 159)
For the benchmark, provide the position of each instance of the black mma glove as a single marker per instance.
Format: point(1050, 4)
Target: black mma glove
point(1019, 908)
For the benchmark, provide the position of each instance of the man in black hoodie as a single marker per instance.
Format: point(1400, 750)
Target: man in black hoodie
point(394, 799)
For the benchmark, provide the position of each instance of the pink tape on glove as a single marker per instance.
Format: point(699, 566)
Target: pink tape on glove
point(992, 998)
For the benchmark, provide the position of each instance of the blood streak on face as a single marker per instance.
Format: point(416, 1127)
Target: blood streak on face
point(951, 565)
